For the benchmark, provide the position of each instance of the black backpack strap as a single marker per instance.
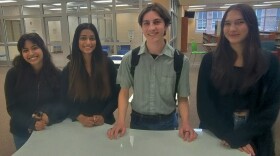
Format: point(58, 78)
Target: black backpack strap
point(178, 64)
point(134, 60)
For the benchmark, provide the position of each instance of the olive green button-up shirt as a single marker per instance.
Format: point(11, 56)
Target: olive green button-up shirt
point(154, 81)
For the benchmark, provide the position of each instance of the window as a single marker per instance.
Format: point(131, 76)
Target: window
point(206, 21)
point(216, 16)
point(201, 19)
point(268, 19)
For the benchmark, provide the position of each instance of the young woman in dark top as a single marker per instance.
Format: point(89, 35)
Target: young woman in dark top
point(32, 89)
point(89, 80)
point(239, 86)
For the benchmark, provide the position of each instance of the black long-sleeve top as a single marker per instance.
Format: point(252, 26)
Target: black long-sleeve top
point(92, 106)
point(37, 96)
point(262, 100)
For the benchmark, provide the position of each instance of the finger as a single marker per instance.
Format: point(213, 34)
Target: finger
point(240, 149)
point(115, 133)
point(181, 133)
point(249, 149)
point(122, 132)
point(193, 135)
point(245, 149)
point(185, 135)
point(109, 133)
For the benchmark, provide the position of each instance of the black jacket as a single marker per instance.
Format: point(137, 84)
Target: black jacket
point(262, 100)
point(37, 96)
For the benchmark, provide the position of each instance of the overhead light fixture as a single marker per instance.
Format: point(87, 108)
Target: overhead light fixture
point(8, 1)
point(57, 4)
point(120, 5)
point(83, 7)
point(272, 2)
point(197, 6)
point(224, 7)
point(231, 4)
point(262, 5)
point(32, 6)
point(105, 1)
point(55, 9)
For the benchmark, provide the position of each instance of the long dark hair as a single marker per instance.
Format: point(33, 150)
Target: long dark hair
point(48, 74)
point(81, 86)
point(255, 61)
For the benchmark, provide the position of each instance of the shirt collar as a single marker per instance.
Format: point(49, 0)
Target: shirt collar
point(167, 50)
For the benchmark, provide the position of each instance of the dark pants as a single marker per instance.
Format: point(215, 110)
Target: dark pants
point(154, 122)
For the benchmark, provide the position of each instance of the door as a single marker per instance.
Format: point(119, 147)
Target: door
point(54, 40)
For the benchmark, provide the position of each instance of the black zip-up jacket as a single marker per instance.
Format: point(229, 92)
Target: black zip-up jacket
point(37, 97)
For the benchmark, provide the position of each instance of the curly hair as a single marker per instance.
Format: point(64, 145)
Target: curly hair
point(48, 74)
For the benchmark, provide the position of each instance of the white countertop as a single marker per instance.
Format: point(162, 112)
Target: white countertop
point(72, 139)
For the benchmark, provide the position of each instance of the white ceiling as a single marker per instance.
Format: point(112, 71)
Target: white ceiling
point(215, 4)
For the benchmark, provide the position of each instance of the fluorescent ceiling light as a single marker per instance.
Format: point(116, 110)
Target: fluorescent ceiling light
point(83, 7)
point(224, 7)
point(197, 6)
point(8, 1)
point(32, 6)
point(108, 1)
point(57, 4)
point(56, 9)
point(230, 4)
point(272, 2)
point(120, 5)
point(261, 5)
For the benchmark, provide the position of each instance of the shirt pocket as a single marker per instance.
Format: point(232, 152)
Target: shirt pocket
point(167, 85)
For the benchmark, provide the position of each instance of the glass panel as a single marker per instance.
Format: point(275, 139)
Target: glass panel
point(73, 24)
point(77, 7)
point(31, 9)
point(101, 5)
point(10, 10)
point(55, 37)
point(1, 33)
point(52, 8)
point(13, 30)
point(103, 23)
point(3, 56)
point(126, 29)
point(94, 20)
point(84, 19)
point(33, 25)
point(13, 52)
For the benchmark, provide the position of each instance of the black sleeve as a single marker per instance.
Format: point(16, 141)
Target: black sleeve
point(208, 113)
point(15, 109)
point(56, 109)
point(115, 88)
point(73, 109)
